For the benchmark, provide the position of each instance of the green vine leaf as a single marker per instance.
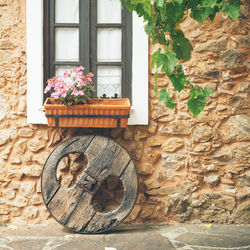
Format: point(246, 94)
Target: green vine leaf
point(209, 3)
point(178, 80)
point(164, 97)
point(145, 4)
point(197, 100)
point(201, 14)
point(166, 62)
point(155, 83)
point(196, 104)
point(181, 45)
point(160, 3)
point(207, 92)
point(232, 8)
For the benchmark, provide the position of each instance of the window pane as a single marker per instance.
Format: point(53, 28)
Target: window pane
point(67, 44)
point(108, 11)
point(108, 81)
point(61, 69)
point(67, 11)
point(109, 45)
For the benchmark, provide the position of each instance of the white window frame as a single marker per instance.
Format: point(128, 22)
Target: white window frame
point(34, 24)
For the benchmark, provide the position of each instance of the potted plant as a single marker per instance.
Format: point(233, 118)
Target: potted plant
point(71, 105)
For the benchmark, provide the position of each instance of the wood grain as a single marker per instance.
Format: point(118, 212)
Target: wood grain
point(72, 207)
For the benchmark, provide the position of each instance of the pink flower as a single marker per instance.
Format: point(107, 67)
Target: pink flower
point(80, 68)
point(72, 84)
point(75, 93)
point(80, 92)
point(55, 95)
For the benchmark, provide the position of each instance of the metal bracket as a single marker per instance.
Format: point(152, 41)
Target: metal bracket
point(89, 182)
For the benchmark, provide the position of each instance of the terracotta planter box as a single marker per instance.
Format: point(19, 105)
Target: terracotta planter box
point(98, 113)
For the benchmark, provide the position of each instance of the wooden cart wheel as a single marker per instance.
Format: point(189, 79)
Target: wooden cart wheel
point(72, 207)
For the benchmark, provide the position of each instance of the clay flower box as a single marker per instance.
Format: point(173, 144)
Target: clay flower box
point(97, 113)
point(71, 105)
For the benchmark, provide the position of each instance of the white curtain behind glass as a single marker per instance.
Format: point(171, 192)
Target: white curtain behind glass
point(109, 48)
point(67, 11)
point(108, 81)
point(108, 11)
point(67, 44)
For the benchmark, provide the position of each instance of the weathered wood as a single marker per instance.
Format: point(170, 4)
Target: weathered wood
point(50, 184)
point(121, 158)
point(72, 207)
point(105, 221)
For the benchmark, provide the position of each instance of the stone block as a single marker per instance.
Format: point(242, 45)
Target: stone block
point(168, 190)
point(153, 155)
point(25, 132)
point(173, 161)
point(145, 168)
point(214, 46)
point(203, 147)
point(32, 171)
point(9, 194)
point(20, 201)
point(22, 104)
point(176, 128)
point(4, 137)
point(3, 111)
point(236, 128)
point(242, 213)
point(6, 152)
point(128, 134)
point(36, 144)
point(4, 209)
point(27, 189)
point(147, 211)
point(223, 154)
point(140, 134)
point(159, 111)
point(243, 180)
point(151, 184)
point(20, 146)
point(202, 133)
point(155, 141)
point(30, 212)
point(136, 149)
point(152, 127)
point(172, 145)
point(36, 200)
point(212, 179)
point(231, 58)
point(225, 203)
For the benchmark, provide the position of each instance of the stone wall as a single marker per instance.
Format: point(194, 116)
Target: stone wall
point(190, 169)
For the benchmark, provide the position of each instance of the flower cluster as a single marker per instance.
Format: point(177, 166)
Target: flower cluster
point(72, 88)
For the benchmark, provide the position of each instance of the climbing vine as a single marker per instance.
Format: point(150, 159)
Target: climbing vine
point(163, 19)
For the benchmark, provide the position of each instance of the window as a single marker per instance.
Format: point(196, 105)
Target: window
point(88, 29)
point(96, 34)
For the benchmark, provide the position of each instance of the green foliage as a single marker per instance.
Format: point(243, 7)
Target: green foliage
point(178, 80)
point(197, 100)
point(164, 97)
point(166, 62)
point(181, 45)
point(163, 19)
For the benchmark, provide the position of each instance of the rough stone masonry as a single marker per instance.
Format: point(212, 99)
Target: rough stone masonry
point(190, 169)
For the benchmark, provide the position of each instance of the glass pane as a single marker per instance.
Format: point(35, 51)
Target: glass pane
point(61, 69)
point(108, 11)
point(67, 11)
point(67, 44)
point(109, 81)
point(109, 45)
